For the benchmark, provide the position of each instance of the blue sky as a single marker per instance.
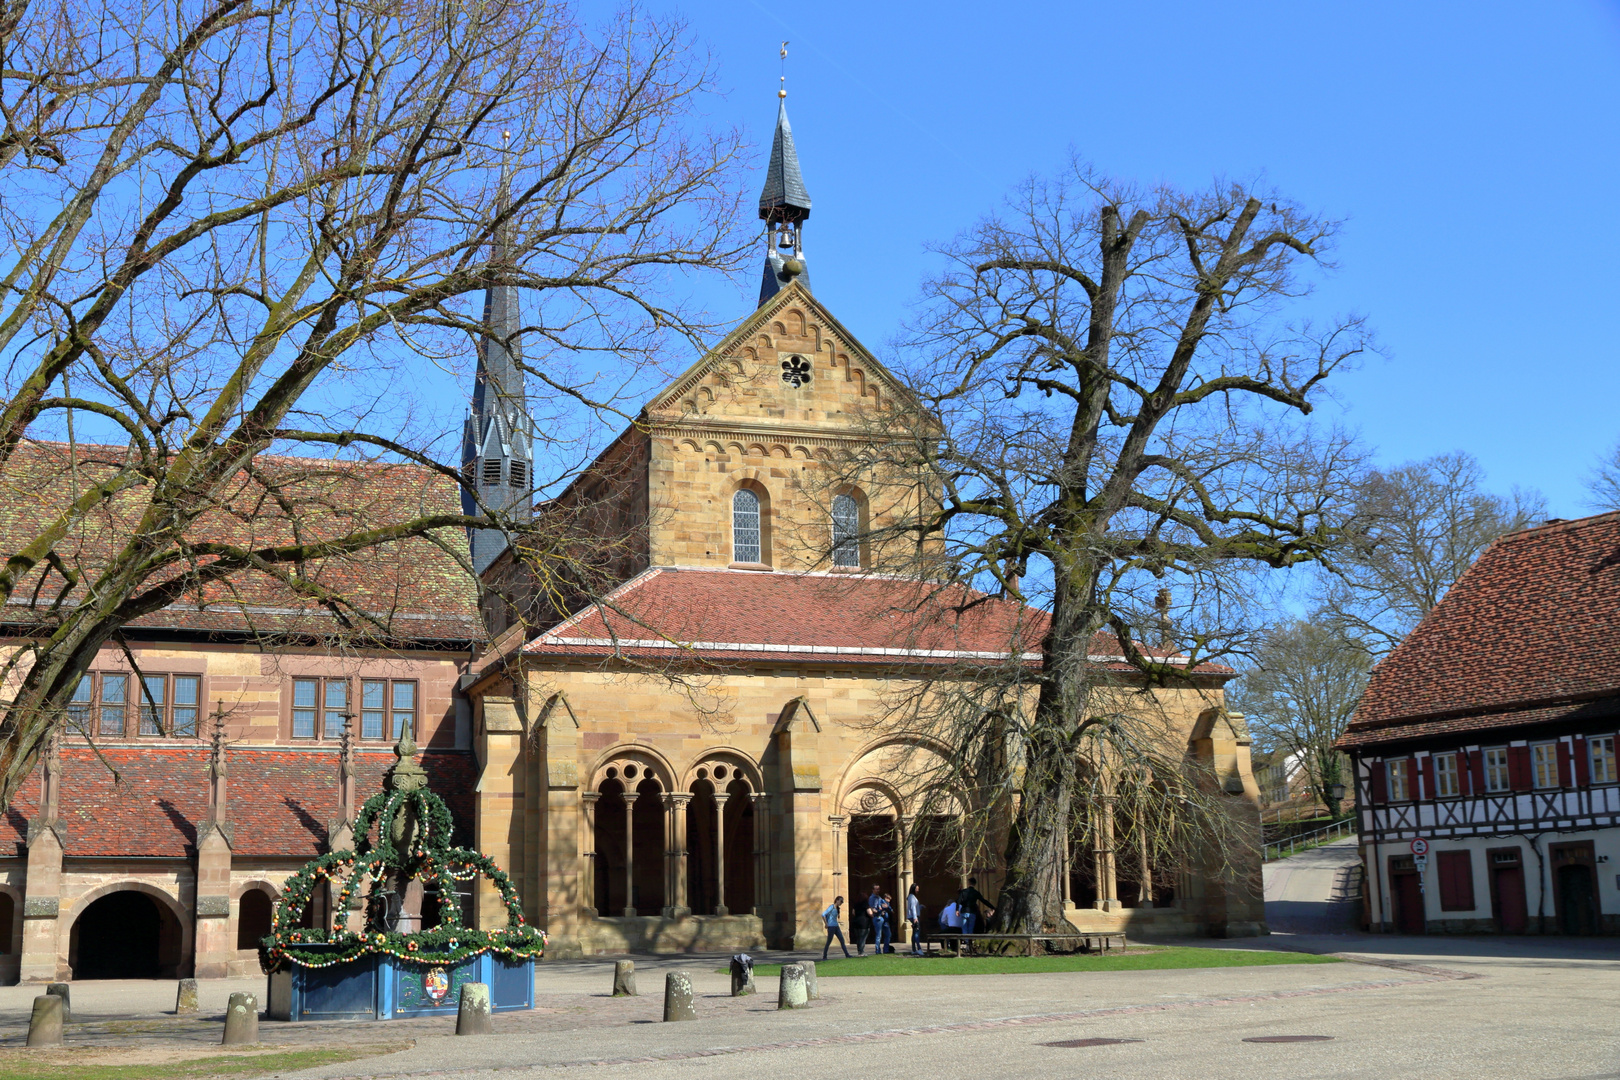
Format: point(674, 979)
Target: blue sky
point(1472, 149)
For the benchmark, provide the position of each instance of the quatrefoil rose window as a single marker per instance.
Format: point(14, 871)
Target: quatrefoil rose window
point(795, 371)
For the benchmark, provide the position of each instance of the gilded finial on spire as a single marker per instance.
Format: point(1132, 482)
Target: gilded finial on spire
point(782, 93)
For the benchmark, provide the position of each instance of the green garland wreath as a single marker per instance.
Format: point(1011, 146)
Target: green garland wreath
point(428, 858)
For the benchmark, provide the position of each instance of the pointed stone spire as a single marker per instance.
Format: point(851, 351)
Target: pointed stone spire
point(784, 204)
point(497, 455)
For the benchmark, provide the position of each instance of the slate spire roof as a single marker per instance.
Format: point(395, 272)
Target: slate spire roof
point(784, 204)
point(783, 197)
point(496, 452)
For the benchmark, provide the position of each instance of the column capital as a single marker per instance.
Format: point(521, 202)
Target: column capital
point(837, 821)
point(677, 799)
point(590, 796)
point(760, 796)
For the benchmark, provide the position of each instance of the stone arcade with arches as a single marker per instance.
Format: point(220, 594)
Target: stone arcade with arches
point(696, 762)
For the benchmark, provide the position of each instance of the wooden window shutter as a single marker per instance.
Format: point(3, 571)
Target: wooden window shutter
point(1519, 768)
point(1428, 779)
point(1583, 762)
point(1456, 881)
point(1476, 771)
point(1566, 770)
point(1380, 785)
point(1412, 779)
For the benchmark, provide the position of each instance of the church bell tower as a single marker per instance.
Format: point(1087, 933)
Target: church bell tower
point(497, 453)
point(784, 205)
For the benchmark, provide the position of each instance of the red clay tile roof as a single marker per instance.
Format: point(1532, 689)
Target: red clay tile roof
point(413, 588)
point(1529, 635)
point(742, 616)
point(280, 800)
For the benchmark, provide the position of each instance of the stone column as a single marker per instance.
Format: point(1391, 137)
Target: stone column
point(762, 852)
point(838, 849)
point(1144, 893)
point(41, 904)
point(675, 804)
point(47, 838)
point(554, 815)
point(629, 853)
point(720, 853)
point(902, 929)
point(215, 939)
point(498, 817)
point(1107, 879)
point(1068, 883)
point(587, 886)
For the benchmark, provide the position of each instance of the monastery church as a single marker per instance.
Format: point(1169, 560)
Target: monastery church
point(692, 763)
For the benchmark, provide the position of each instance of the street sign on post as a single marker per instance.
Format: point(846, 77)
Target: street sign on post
point(1420, 847)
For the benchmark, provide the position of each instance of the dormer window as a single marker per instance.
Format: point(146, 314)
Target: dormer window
point(745, 527)
point(846, 527)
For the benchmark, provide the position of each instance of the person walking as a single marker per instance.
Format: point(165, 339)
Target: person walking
point(914, 912)
point(968, 902)
point(830, 917)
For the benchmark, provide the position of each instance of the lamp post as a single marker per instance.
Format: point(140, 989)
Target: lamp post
point(1336, 792)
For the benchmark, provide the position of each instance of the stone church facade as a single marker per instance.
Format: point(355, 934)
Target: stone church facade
point(695, 762)
point(642, 812)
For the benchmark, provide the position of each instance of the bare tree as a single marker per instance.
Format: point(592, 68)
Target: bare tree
point(236, 229)
point(1603, 482)
point(1418, 528)
point(1106, 377)
point(1299, 693)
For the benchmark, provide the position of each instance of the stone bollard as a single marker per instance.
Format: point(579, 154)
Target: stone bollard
point(45, 1025)
point(790, 995)
point(812, 991)
point(742, 975)
point(473, 1016)
point(241, 1020)
point(624, 978)
point(678, 997)
point(185, 999)
point(63, 991)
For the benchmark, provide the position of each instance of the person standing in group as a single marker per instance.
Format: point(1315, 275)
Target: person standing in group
point(830, 917)
point(874, 911)
point(886, 925)
point(914, 919)
point(968, 902)
point(862, 920)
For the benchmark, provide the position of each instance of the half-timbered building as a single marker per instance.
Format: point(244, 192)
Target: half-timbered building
point(1487, 790)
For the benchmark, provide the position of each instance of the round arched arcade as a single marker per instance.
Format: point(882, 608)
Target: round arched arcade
point(658, 846)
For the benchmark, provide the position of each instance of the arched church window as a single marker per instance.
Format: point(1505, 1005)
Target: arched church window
point(745, 527)
point(846, 524)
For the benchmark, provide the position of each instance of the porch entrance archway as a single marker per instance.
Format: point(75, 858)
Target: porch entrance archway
point(126, 935)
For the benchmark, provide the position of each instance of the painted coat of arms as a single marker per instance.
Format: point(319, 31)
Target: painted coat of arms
point(436, 984)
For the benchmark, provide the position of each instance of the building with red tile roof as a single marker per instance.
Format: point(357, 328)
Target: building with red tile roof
point(1488, 738)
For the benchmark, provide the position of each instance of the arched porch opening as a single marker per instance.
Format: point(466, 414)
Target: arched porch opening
point(253, 915)
point(126, 934)
point(630, 843)
point(874, 859)
point(720, 842)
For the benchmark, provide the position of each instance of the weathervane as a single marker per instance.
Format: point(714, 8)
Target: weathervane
point(783, 92)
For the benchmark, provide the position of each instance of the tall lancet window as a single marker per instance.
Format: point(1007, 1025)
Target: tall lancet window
point(745, 527)
point(846, 523)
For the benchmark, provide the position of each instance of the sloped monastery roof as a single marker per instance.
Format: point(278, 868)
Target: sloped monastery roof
point(745, 616)
point(281, 800)
point(410, 591)
point(1529, 635)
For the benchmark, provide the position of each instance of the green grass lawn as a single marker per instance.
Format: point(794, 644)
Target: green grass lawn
point(1134, 959)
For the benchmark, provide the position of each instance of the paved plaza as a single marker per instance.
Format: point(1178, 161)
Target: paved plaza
point(1518, 1008)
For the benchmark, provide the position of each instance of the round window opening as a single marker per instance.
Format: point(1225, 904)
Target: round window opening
point(720, 772)
point(795, 371)
point(630, 770)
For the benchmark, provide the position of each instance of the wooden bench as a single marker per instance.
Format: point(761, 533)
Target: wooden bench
point(1092, 939)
